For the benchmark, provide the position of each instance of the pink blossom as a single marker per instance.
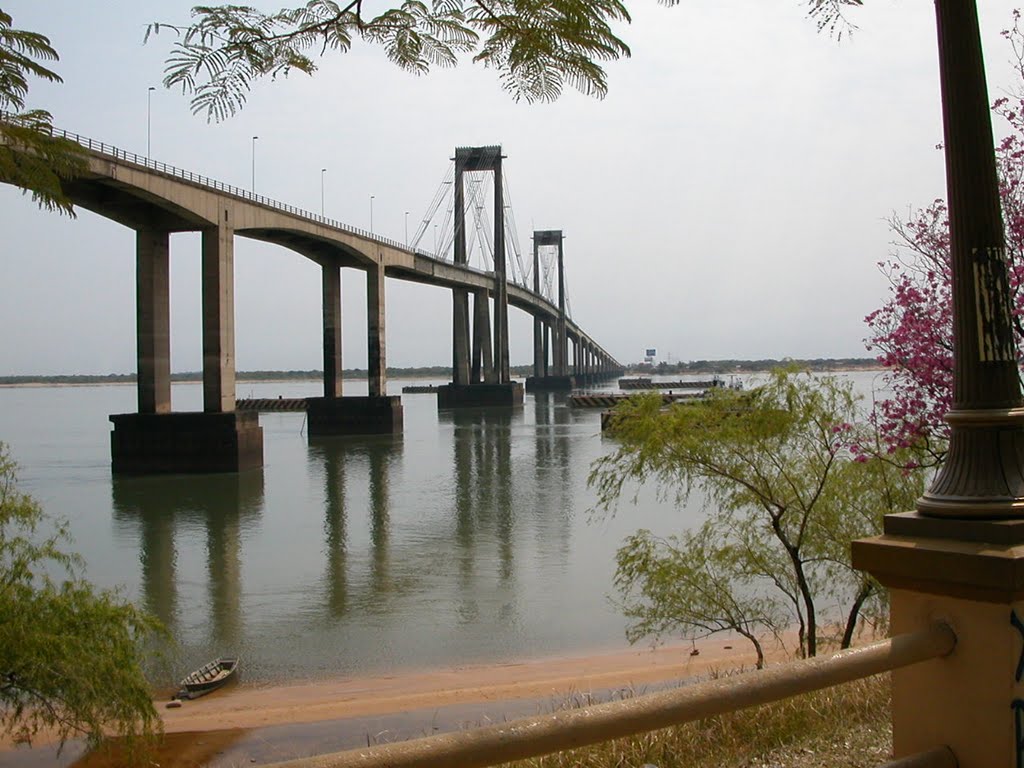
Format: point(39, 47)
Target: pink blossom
point(911, 333)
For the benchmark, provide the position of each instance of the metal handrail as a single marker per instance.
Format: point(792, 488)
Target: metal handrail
point(559, 731)
point(194, 178)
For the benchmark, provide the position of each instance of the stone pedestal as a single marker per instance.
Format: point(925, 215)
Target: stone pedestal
point(173, 443)
point(970, 574)
point(480, 395)
point(550, 383)
point(354, 415)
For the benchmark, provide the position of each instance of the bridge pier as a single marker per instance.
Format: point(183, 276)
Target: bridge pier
point(156, 440)
point(377, 413)
point(497, 395)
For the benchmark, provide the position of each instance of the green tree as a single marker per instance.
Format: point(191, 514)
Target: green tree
point(31, 157)
point(69, 653)
point(538, 46)
point(789, 476)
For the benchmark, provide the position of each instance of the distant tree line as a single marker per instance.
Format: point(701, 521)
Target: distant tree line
point(751, 366)
point(441, 371)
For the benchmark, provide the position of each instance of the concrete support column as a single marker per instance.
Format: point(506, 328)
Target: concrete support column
point(153, 320)
point(562, 343)
point(538, 324)
point(501, 353)
point(483, 362)
point(460, 336)
point(557, 357)
point(546, 347)
point(538, 346)
point(460, 297)
point(218, 272)
point(376, 358)
point(331, 278)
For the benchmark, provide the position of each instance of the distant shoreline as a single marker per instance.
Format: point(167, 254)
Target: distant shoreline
point(829, 365)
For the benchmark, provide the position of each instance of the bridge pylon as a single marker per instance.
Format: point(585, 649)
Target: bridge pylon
point(481, 375)
point(556, 377)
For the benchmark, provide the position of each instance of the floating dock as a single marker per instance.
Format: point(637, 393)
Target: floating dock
point(641, 382)
point(611, 399)
point(289, 404)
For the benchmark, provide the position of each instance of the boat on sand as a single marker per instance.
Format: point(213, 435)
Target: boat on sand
point(208, 677)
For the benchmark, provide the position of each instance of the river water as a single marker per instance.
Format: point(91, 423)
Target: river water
point(469, 538)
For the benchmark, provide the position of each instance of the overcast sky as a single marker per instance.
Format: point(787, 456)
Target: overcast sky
point(726, 200)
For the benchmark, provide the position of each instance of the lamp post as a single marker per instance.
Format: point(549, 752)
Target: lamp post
point(959, 557)
point(371, 213)
point(435, 239)
point(982, 476)
point(322, 172)
point(254, 164)
point(149, 120)
point(406, 229)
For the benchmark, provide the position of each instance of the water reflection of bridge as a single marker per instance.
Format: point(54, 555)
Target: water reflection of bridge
point(501, 502)
point(223, 506)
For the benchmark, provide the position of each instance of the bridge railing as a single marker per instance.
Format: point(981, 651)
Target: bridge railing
point(249, 195)
point(570, 729)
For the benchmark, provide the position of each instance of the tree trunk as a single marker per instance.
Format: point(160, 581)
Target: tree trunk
point(757, 647)
point(866, 589)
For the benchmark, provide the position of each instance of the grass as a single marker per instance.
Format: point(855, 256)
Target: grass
point(843, 727)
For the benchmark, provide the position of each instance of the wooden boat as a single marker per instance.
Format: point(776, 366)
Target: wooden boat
point(208, 677)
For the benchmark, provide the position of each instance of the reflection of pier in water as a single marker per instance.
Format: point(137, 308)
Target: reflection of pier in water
point(503, 490)
point(161, 507)
point(342, 460)
point(460, 536)
point(553, 425)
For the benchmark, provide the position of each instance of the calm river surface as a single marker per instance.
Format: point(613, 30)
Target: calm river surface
point(467, 539)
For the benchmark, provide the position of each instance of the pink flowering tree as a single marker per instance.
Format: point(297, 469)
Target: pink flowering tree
point(912, 333)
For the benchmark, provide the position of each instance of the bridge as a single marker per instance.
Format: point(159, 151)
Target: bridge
point(156, 200)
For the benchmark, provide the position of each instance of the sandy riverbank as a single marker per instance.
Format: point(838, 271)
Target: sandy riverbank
point(253, 707)
point(222, 718)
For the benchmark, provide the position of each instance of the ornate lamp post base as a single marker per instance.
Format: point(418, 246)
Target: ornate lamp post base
point(983, 475)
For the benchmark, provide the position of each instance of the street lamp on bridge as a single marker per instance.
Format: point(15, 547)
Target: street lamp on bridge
point(406, 229)
point(322, 172)
point(371, 213)
point(149, 120)
point(254, 164)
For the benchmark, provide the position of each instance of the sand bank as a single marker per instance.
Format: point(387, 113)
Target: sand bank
point(557, 678)
point(483, 687)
